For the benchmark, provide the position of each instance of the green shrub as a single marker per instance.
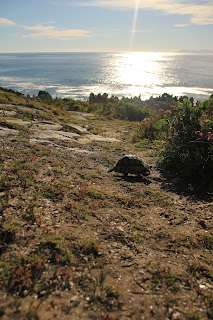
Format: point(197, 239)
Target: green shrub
point(188, 153)
point(112, 108)
point(156, 126)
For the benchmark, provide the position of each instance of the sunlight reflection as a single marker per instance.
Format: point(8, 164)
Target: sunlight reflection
point(141, 69)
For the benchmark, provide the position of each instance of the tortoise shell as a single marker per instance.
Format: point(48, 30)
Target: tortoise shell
point(130, 164)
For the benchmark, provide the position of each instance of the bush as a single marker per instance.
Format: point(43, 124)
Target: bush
point(128, 111)
point(155, 126)
point(188, 153)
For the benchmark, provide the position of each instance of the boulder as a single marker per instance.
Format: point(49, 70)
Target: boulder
point(44, 95)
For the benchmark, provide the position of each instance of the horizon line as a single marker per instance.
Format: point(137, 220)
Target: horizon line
point(183, 51)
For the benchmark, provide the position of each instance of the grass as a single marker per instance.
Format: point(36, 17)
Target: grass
point(31, 313)
point(158, 198)
point(56, 248)
point(7, 233)
point(200, 270)
point(193, 316)
point(52, 191)
point(71, 231)
point(164, 278)
point(163, 234)
point(195, 241)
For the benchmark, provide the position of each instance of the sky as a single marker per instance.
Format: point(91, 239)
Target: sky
point(105, 25)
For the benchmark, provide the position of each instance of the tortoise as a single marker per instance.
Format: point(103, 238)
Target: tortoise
point(130, 164)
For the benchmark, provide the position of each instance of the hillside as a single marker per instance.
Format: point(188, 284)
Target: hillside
point(77, 242)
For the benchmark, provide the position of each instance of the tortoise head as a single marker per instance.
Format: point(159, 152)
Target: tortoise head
point(146, 171)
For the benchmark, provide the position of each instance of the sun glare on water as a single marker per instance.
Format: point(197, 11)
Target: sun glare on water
point(140, 69)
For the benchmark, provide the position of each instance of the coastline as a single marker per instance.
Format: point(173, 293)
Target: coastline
point(76, 75)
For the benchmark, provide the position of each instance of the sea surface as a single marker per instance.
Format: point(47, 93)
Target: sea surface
point(76, 75)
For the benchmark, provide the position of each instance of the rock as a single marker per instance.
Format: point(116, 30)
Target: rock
point(82, 115)
point(21, 123)
point(152, 310)
point(98, 138)
point(44, 125)
point(31, 109)
point(2, 194)
point(51, 134)
point(6, 131)
point(176, 315)
point(45, 143)
point(25, 292)
point(74, 128)
point(44, 95)
point(7, 113)
point(74, 298)
point(202, 223)
point(90, 127)
point(48, 143)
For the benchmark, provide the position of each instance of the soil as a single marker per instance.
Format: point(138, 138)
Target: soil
point(77, 242)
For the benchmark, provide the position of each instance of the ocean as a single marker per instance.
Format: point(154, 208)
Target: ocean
point(76, 75)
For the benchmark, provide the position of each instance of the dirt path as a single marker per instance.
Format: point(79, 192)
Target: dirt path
point(78, 242)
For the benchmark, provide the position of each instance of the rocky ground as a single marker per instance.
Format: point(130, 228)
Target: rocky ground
point(77, 242)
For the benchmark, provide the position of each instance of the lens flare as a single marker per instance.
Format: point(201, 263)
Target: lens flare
point(134, 23)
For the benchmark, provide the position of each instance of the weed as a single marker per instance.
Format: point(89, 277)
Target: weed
point(20, 274)
point(206, 241)
point(93, 193)
point(7, 234)
point(163, 234)
point(157, 198)
point(53, 190)
point(209, 304)
point(28, 213)
point(171, 301)
point(5, 182)
point(193, 316)
point(164, 278)
point(86, 247)
point(105, 294)
point(32, 312)
point(187, 241)
point(99, 284)
point(198, 270)
point(53, 246)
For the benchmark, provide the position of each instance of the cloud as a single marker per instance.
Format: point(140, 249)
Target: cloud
point(182, 25)
point(46, 31)
point(7, 22)
point(200, 11)
point(50, 32)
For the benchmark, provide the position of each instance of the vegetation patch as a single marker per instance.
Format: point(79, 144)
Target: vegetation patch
point(187, 129)
point(163, 278)
point(78, 242)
